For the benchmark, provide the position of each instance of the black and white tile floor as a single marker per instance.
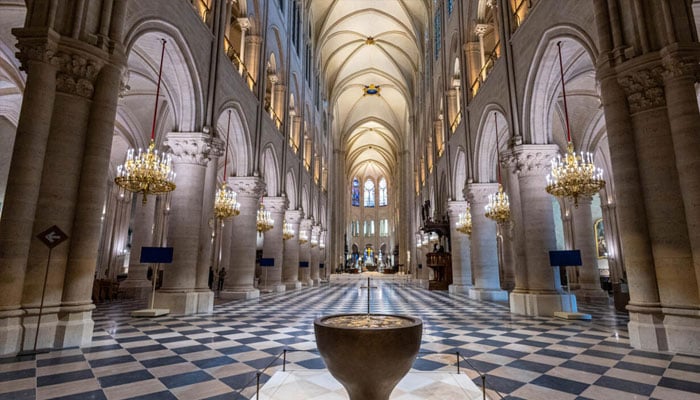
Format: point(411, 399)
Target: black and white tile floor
point(216, 356)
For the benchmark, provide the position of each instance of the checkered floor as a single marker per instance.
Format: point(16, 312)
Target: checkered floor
point(216, 356)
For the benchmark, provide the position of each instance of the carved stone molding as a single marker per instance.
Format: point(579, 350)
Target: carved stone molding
point(216, 147)
point(644, 89)
point(530, 160)
point(35, 51)
point(481, 29)
point(248, 186)
point(76, 73)
point(676, 66)
point(478, 193)
point(275, 204)
point(293, 216)
point(305, 224)
point(189, 147)
point(456, 207)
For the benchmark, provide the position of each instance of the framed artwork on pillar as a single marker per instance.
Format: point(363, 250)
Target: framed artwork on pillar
point(600, 246)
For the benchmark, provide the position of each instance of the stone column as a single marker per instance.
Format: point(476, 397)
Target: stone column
point(684, 123)
point(245, 24)
point(480, 31)
point(484, 246)
point(222, 257)
point(290, 267)
point(471, 52)
point(273, 246)
point(505, 232)
point(22, 191)
point(75, 323)
point(584, 240)
point(115, 236)
point(279, 103)
point(190, 151)
point(305, 254)
point(137, 284)
point(543, 294)
point(295, 132)
point(645, 327)
point(657, 141)
point(251, 55)
point(58, 204)
point(273, 82)
point(314, 255)
point(205, 297)
point(461, 252)
point(324, 272)
point(241, 274)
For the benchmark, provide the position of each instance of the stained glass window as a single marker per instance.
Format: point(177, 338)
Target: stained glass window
point(438, 31)
point(383, 197)
point(355, 192)
point(369, 193)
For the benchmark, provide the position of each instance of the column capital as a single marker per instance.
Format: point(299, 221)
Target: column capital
point(216, 147)
point(644, 88)
point(677, 66)
point(293, 216)
point(481, 29)
point(315, 229)
point(530, 159)
point(35, 48)
point(305, 224)
point(77, 73)
point(456, 207)
point(478, 193)
point(244, 23)
point(189, 147)
point(276, 204)
point(247, 186)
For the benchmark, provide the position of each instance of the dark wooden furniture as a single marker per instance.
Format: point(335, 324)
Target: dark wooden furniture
point(441, 264)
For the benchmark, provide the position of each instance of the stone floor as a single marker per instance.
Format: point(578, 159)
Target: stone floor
point(216, 356)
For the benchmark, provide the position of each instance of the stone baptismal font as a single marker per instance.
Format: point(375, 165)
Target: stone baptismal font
point(368, 353)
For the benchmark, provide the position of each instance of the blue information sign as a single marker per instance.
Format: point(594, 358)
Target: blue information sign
point(154, 255)
point(564, 258)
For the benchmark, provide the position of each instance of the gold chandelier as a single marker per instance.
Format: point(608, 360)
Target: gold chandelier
point(148, 172)
point(464, 223)
point(264, 221)
point(226, 203)
point(498, 207)
point(314, 239)
point(287, 231)
point(575, 175)
point(303, 237)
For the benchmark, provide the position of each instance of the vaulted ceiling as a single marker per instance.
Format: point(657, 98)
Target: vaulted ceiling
point(369, 52)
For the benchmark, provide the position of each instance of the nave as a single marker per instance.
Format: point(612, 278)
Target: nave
point(216, 356)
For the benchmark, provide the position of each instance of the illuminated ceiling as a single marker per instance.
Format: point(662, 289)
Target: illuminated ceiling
point(369, 52)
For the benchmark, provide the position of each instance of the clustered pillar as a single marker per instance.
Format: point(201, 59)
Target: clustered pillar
point(461, 251)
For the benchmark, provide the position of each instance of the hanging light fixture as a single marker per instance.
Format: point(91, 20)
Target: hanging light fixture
point(575, 175)
point(303, 237)
point(264, 221)
point(226, 203)
point(148, 172)
point(498, 207)
point(314, 239)
point(464, 222)
point(287, 231)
